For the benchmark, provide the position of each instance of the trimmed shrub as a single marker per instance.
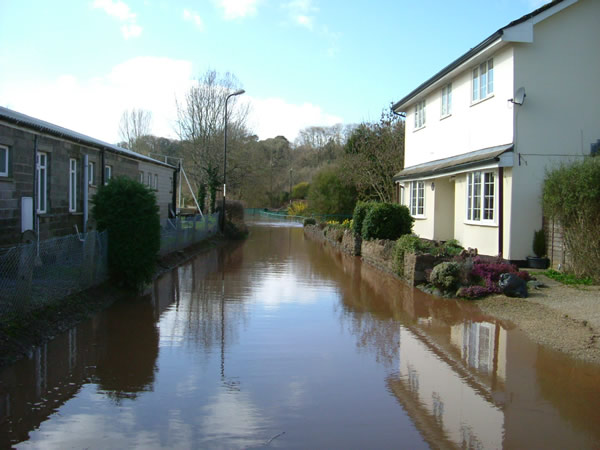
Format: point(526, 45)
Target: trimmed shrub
point(360, 211)
point(300, 191)
point(446, 276)
point(128, 210)
point(235, 210)
point(309, 221)
point(386, 221)
point(450, 248)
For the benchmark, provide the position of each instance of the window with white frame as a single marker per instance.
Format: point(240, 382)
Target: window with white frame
point(417, 198)
point(483, 80)
point(107, 174)
point(149, 182)
point(3, 161)
point(91, 172)
point(481, 196)
point(72, 185)
point(141, 176)
point(420, 114)
point(41, 166)
point(446, 100)
point(156, 181)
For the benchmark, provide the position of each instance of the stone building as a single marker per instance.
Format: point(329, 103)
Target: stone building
point(48, 174)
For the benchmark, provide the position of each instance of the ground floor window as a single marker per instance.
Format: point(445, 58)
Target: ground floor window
point(3, 161)
point(107, 174)
point(481, 196)
point(41, 167)
point(72, 185)
point(91, 173)
point(417, 198)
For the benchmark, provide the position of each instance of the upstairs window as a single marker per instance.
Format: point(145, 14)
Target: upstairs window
point(417, 198)
point(72, 185)
point(420, 115)
point(446, 100)
point(3, 161)
point(483, 80)
point(481, 196)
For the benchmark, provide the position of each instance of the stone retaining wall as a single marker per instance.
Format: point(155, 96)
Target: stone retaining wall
point(378, 253)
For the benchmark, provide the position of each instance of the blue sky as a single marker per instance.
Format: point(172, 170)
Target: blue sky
point(80, 63)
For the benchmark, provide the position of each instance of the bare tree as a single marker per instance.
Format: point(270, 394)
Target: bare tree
point(200, 121)
point(134, 124)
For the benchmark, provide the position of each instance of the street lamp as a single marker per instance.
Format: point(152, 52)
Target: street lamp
point(239, 92)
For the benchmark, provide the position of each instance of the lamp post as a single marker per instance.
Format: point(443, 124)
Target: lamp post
point(239, 92)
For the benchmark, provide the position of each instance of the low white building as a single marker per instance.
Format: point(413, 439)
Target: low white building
point(482, 132)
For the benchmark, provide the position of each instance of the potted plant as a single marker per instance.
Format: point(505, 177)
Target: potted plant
point(539, 261)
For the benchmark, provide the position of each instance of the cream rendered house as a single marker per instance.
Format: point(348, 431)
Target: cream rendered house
point(481, 133)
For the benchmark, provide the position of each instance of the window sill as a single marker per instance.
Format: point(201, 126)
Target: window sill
point(418, 129)
point(477, 102)
point(6, 178)
point(419, 217)
point(481, 223)
point(445, 116)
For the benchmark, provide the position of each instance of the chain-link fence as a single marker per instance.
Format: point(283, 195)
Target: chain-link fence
point(32, 275)
point(179, 233)
point(37, 273)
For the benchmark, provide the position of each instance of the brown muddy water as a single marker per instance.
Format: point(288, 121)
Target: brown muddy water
point(280, 342)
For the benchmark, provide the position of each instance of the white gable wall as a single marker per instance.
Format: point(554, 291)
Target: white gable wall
point(470, 127)
point(560, 72)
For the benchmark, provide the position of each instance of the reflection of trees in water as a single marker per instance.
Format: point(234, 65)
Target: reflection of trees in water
point(128, 349)
point(375, 335)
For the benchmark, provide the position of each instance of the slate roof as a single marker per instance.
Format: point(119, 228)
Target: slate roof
point(460, 162)
point(23, 120)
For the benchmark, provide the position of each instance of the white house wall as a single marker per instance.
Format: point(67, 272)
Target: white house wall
point(470, 127)
point(560, 72)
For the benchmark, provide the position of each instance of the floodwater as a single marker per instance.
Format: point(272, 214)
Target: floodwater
point(281, 342)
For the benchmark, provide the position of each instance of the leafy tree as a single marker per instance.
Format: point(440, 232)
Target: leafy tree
point(128, 210)
point(331, 193)
point(300, 191)
point(374, 153)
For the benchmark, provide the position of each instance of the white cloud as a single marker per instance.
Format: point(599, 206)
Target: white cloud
point(118, 9)
point(94, 106)
point(194, 17)
point(131, 30)
point(122, 13)
point(235, 9)
point(301, 12)
point(271, 117)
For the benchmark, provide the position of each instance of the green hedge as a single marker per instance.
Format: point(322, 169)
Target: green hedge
point(360, 211)
point(128, 210)
point(386, 221)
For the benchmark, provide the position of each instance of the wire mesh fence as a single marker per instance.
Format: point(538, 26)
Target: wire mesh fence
point(183, 231)
point(34, 274)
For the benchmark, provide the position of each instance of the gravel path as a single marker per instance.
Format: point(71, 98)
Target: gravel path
point(566, 318)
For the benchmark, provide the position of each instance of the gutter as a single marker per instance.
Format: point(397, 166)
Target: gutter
point(449, 68)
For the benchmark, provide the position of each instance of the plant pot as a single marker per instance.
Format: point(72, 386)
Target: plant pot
point(533, 262)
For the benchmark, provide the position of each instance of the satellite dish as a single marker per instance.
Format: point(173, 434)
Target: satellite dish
point(519, 96)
